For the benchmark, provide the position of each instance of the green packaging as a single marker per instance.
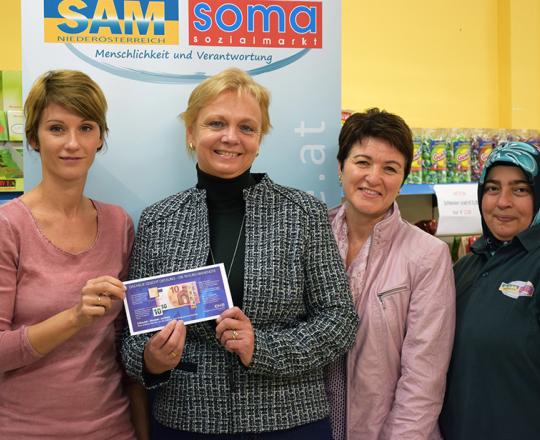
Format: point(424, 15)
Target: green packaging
point(459, 159)
point(15, 120)
point(11, 89)
point(3, 126)
point(415, 176)
point(434, 159)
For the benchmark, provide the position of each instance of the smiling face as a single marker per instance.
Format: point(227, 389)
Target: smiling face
point(226, 135)
point(371, 176)
point(507, 202)
point(67, 143)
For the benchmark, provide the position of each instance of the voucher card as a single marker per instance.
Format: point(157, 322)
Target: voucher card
point(193, 295)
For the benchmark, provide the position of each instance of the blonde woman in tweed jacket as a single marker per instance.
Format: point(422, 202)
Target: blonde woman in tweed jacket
point(258, 369)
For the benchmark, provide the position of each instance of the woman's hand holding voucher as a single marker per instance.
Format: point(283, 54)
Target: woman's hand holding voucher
point(235, 332)
point(163, 350)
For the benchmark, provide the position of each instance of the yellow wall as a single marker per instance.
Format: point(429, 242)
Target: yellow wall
point(525, 60)
point(10, 35)
point(438, 63)
point(429, 61)
point(452, 63)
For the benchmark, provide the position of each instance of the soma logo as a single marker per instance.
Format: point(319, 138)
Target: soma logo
point(111, 21)
point(287, 24)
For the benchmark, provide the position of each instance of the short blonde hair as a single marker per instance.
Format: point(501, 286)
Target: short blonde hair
point(232, 79)
point(71, 89)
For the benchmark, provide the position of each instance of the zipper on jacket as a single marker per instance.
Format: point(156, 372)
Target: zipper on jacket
point(390, 292)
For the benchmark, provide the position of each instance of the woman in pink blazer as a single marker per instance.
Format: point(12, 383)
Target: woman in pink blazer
point(391, 384)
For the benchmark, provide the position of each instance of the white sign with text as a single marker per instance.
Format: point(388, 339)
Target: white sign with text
point(458, 209)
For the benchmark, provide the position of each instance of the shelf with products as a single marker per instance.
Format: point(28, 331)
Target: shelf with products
point(413, 189)
point(7, 196)
point(11, 135)
point(453, 155)
point(11, 170)
point(456, 155)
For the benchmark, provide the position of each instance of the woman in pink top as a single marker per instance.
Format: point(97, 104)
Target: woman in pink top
point(61, 258)
point(391, 383)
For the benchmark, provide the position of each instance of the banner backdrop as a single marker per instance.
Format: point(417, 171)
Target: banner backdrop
point(148, 55)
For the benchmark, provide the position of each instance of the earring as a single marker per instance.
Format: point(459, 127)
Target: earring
point(340, 180)
point(191, 147)
point(258, 151)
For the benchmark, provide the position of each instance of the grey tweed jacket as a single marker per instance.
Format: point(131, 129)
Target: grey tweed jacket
point(295, 294)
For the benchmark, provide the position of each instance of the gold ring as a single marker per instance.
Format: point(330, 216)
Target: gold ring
point(173, 354)
point(235, 334)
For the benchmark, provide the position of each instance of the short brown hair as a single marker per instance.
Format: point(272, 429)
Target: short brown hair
point(377, 124)
point(232, 79)
point(71, 89)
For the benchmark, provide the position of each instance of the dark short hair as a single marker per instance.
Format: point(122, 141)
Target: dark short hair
point(377, 124)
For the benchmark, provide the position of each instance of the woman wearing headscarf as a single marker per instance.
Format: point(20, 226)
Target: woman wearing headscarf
point(493, 388)
point(259, 369)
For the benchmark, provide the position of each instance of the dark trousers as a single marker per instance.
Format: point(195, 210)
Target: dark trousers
point(319, 430)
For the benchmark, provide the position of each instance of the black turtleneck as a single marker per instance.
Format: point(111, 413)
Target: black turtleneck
point(226, 211)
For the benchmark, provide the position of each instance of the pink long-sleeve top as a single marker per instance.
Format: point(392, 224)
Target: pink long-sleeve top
point(75, 391)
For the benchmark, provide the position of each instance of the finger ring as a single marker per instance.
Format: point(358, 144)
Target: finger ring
point(235, 334)
point(173, 354)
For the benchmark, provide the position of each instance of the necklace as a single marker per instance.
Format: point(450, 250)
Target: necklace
point(235, 248)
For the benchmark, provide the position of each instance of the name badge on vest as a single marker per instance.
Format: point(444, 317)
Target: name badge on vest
point(515, 289)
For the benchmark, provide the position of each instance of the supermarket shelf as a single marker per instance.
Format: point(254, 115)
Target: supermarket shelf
point(416, 189)
point(421, 188)
point(5, 196)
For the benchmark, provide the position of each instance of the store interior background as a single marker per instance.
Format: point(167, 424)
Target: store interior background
point(438, 64)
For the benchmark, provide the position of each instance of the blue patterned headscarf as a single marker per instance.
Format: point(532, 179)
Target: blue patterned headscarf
point(518, 154)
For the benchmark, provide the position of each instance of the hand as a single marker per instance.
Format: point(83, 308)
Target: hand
point(235, 332)
point(163, 351)
point(96, 299)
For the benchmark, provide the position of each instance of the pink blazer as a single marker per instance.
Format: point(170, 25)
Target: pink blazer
point(396, 370)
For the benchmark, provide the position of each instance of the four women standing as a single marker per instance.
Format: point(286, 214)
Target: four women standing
point(259, 368)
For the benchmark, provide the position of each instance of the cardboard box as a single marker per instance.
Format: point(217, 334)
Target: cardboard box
point(15, 120)
point(11, 175)
point(4, 134)
point(11, 90)
point(11, 185)
point(16, 151)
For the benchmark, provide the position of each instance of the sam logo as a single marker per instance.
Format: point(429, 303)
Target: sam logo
point(252, 23)
point(111, 21)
